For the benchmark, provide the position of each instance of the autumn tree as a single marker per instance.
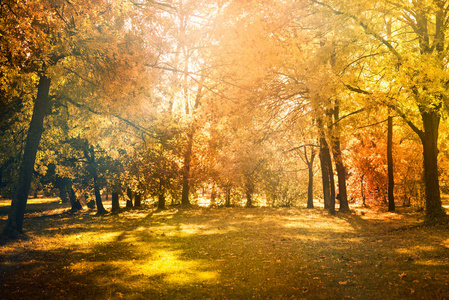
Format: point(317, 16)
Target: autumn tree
point(44, 42)
point(409, 36)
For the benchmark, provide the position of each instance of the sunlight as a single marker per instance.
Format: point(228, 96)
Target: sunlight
point(165, 264)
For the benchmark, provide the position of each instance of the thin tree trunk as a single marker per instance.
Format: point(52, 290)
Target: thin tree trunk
point(249, 190)
point(325, 172)
point(18, 204)
point(186, 171)
point(100, 208)
point(362, 191)
point(310, 185)
point(161, 195)
point(391, 205)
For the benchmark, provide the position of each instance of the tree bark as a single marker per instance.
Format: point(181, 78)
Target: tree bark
point(326, 171)
point(391, 205)
point(18, 204)
point(129, 201)
point(115, 202)
point(249, 190)
point(74, 202)
point(138, 199)
point(341, 171)
point(228, 195)
point(429, 138)
point(100, 208)
point(310, 184)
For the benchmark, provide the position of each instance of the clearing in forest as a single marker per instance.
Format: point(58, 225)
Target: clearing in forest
point(227, 253)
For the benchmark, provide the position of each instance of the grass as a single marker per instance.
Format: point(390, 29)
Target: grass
point(226, 253)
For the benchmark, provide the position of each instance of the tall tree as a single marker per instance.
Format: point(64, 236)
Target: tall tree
point(414, 44)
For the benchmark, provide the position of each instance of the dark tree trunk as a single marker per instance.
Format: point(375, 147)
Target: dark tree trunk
point(138, 199)
point(249, 190)
point(115, 202)
point(100, 208)
point(310, 185)
point(186, 171)
point(74, 202)
point(326, 170)
point(429, 138)
point(324, 151)
point(362, 191)
point(310, 189)
point(161, 200)
point(213, 195)
point(391, 205)
point(63, 185)
point(340, 168)
point(129, 201)
point(228, 195)
point(18, 204)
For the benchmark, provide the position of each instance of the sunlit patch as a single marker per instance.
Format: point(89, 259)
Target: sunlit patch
point(445, 243)
point(416, 249)
point(431, 263)
point(163, 264)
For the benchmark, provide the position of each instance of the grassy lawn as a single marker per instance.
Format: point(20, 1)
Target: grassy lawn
point(226, 253)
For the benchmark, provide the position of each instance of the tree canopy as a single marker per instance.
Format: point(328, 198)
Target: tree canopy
point(172, 100)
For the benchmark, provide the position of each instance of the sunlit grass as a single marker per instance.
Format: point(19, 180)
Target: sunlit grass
point(226, 253)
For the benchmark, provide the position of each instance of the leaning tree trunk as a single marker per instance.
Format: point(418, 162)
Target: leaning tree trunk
point(324, 151)
point(391, 205)
point(18, 204)
point(429, 138)
point(100, 208)
point(341, 171)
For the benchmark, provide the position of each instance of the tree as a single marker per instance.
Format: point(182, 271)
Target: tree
point(45, 41)
point(412, 38)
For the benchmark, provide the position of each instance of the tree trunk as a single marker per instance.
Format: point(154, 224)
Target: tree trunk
point(249, 190)
point(341, 171)
point(326, 170)
point(100, 208)
point(74, 202)
point(362, 191)
point(213, 195)
point(18, 204)
point(138, 199)
point(115, 202)
point(429, 138)
point(324, 151)
point(186, 171)
point(129, 201)
point(310, 185)
point(228, 195)
point(391, 205)
point(161, 200)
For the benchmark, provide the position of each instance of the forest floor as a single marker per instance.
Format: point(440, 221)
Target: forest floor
point(225, 253)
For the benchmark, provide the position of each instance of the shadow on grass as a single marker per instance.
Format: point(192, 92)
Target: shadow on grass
point(224, 253)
